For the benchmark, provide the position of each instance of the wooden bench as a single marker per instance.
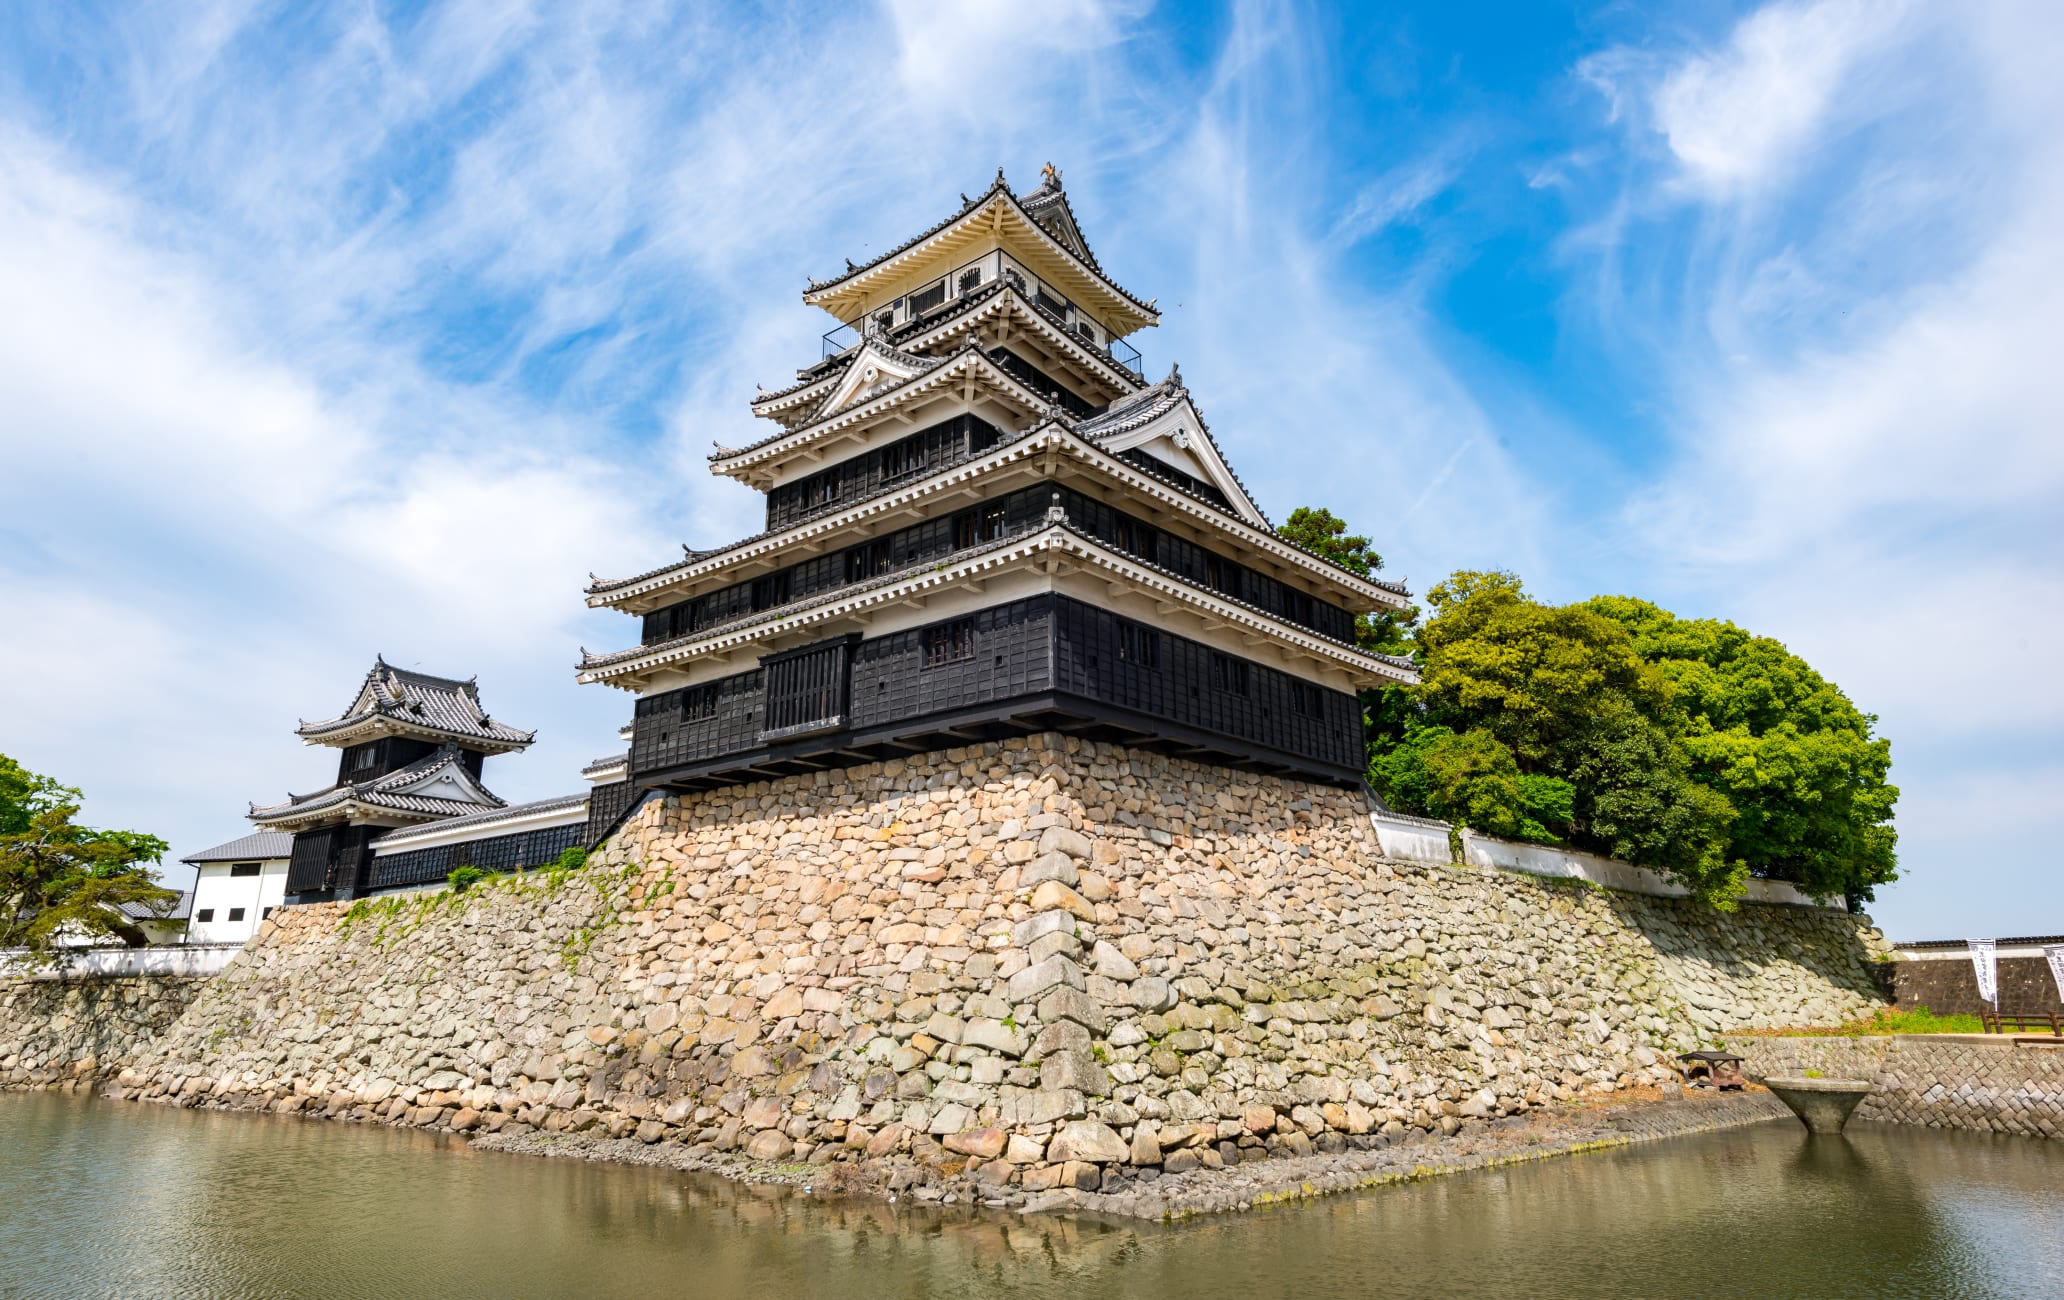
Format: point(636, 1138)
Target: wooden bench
point(1998, 1024)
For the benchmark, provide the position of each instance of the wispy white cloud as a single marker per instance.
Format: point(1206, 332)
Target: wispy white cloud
point(1866, 461)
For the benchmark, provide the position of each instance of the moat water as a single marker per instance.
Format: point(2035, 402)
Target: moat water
point(113, 1199)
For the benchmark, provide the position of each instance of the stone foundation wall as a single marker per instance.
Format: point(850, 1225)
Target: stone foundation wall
point(1037, 960)
point(57, 1033)
point(1947, 1081)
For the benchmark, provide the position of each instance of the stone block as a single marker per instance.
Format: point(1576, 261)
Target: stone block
point(1067, 1003)
point(1152, 994)
point(986, 1143)
point(1058, 944)
point(1060, 1036)
point(1108, 961)
point(1051, 866)
point(886, 1142)
point(1028, 1109)
point(1053, 895)
point(1055, 972)
point(1025, 931)
point(770, 1145)
point(995, 1036)
point(764, 1112)
point(1022, 1150)
point(1181, 1162)
point(1077, 1070)
point(1145, 1146)
point(1061, 839)
point(950, 1118)
point(1087, 1140)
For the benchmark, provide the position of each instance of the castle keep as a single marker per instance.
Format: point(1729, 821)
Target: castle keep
point(996, 812)
point(981, 521)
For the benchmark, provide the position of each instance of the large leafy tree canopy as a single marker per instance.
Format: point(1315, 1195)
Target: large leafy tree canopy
point(61, 880)
point(1687, 745)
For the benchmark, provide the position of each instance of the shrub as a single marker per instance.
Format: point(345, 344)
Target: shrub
point(573, 859)
point(465, 877)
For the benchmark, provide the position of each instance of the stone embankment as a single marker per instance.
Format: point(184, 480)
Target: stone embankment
point(1144, 1193)
point(1987, 1082)
point(1036, 964)
point(65, 1033)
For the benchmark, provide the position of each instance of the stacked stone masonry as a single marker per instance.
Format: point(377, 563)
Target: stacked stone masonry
point(57, 1033)
point(1937, 1081)
point(1033, 962)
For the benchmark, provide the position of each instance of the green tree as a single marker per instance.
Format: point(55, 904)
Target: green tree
point(1686, 745)
point(1325, 535)
point(1472, 780)
point(61, 880)
point(1531, 674)
point(1790, 752)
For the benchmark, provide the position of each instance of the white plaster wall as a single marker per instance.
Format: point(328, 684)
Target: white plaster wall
point(216, 891)
point(175, 959)
point(1414, 839)
point(1542, 860)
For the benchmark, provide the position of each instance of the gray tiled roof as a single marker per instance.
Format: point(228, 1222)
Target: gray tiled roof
point(255, 847)
point(606, 762)
point(484, 821)
point(921, 365)
point(385, 792)
point(412, 699)
point(597, 586)
point(999, 185)
point(176, 910)
point(778, 613)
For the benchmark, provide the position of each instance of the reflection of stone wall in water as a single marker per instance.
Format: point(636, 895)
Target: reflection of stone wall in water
point(1043, 949)
point(55, 1031)
point(1992, 1084)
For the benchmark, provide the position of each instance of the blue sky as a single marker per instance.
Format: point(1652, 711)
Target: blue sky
point(328, 331)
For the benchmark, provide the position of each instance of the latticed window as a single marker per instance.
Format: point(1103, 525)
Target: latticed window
point(1230, 675)
point(699, 703)
point(806, 690)
point(1139, 645)
point(904, 456)
point(1136, 538)
point(867, 560)
point(1307, 699)
point(982, 524)
point(949, 642)
point(771, 590)
point(970, 279)
point(924, 300)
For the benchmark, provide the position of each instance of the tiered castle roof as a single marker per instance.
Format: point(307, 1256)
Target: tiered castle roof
point(397, 702)
point(435, 786)
point(979, 434)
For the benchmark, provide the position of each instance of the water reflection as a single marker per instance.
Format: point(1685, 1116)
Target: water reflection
point(100, 1198)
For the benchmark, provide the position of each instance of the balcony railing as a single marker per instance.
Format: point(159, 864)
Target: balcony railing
point(910, 311)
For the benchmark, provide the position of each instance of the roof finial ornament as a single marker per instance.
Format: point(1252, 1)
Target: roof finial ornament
point(1174, 374)
point(850, 265)
point(1051, 175)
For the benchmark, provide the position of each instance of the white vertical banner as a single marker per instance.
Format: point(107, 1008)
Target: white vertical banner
point(2054, 953)
point(1985, 961)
